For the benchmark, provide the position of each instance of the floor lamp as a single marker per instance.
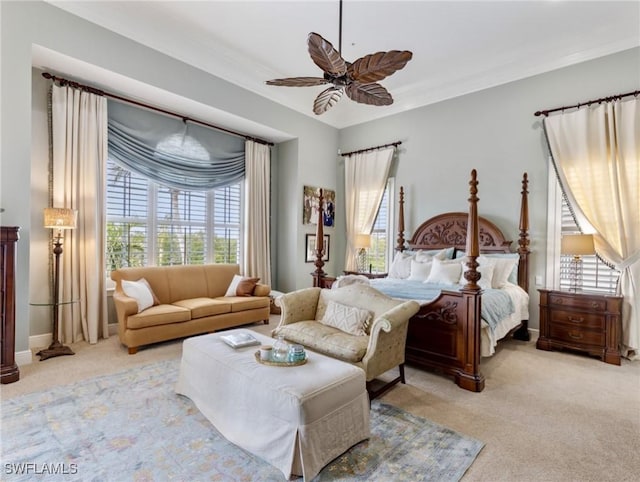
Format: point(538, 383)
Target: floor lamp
point(58, 219)
point(577, 245)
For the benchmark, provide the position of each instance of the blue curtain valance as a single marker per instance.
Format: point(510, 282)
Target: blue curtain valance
point(169, 151)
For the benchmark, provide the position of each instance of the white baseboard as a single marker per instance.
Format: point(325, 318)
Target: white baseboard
point(40, 341)
point(23, 357)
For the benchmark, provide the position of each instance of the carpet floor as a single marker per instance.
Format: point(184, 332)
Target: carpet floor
point(132, 426)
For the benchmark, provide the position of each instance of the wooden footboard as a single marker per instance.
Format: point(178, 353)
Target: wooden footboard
point(445, 335)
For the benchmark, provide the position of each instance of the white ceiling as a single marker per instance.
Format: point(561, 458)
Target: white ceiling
point(458, 47)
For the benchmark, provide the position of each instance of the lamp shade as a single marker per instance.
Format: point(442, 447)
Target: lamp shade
point(577, 244)
point(363, 241)
point(60, 218)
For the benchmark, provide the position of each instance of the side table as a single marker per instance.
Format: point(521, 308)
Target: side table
point(583, 321)
point(56, 348)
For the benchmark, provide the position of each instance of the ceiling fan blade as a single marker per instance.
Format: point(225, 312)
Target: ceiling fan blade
point(325, 56)
point(298, 81)
point(372, 94)
point(375, 67)
point(326, 99)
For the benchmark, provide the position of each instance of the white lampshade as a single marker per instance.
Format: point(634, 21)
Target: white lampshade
point(363, 241)
point(60, 218)
point(577, 244)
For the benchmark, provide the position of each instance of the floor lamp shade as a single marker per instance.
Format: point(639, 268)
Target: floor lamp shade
point(60, 218)
point(577, 245)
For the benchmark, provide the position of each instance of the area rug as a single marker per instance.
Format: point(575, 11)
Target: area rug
point(131, 426)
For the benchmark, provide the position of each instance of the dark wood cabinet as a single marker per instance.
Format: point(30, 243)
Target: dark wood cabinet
point(583, 321)
point(8, 369)
point(325, 281)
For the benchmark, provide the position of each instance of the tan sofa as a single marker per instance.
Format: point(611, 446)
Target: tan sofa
point(379, 349)
point(189, 300)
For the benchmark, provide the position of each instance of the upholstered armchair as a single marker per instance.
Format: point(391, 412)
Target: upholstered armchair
point(356, 324)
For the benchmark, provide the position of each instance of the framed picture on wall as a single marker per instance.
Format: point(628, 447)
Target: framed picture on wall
point(310, 199)
point(310, 248)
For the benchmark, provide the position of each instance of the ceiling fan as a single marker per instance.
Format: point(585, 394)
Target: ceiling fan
point(358, 79)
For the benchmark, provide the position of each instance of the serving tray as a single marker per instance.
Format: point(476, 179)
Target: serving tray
point(279, 364)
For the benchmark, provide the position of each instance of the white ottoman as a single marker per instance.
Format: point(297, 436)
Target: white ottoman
point(296, 418)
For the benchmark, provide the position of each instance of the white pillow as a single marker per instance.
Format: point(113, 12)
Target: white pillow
point(420, 270)
point(245, 283)
point(427, 255)
point(485, 268)
point(347, 318)
point(502, 271)
point(445, 272)
point(140, 291)
point(401, 266)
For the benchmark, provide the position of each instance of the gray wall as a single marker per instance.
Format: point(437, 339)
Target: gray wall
point(495, 132)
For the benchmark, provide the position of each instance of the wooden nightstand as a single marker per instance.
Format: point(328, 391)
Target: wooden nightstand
point(368, 275)
point(584, 321)
point(326, 282)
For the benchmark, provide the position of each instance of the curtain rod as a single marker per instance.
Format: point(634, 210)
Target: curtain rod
point(589, 102)
point(93, 90)
point(394, 144)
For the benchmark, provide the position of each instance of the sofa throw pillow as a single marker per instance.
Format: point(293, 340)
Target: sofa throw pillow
point(246, 286)
point(445, 272)
point(241, 286)
point(141, 291)
point(345, 318)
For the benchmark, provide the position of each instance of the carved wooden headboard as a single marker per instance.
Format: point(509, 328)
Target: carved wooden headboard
point(450, 229)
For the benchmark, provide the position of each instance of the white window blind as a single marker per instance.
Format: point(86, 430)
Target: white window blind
point(596, 275)
point(381, 234)
point(148, 223)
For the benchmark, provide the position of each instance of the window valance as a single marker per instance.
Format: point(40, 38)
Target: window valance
point(178, 154)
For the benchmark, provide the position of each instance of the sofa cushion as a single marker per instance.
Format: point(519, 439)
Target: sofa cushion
point(158, 315)
point(244, 303)
point(201, 307)
point(326, 340)
point(349, 319)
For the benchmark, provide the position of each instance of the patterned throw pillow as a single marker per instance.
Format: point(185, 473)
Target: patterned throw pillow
point(345, 318)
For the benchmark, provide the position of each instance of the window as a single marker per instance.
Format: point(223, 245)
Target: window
point(151, 224)
point(596, 275)
point(382, 233)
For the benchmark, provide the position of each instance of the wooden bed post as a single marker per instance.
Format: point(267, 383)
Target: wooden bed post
point(318, 274)
point(400, 246)
point(473, 237)
point(522, 333)
point(523, 241)
point(469, 376)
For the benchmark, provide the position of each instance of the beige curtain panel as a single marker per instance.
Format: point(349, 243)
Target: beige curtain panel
point(79, 153)
point(257, 248)
point(366, 175)
point(596, 151)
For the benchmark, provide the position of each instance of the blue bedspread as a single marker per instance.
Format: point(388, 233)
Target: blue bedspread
point(496, 304)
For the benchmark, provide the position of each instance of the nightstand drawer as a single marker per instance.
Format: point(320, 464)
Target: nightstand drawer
point(571, 335)
point(578, 319)
point(578, 302)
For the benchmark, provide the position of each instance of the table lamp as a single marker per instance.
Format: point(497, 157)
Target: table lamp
point(577, 245)
point(58, 219)
point(362, 243)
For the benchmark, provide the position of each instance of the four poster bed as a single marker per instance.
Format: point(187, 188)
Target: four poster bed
point(450, 332)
